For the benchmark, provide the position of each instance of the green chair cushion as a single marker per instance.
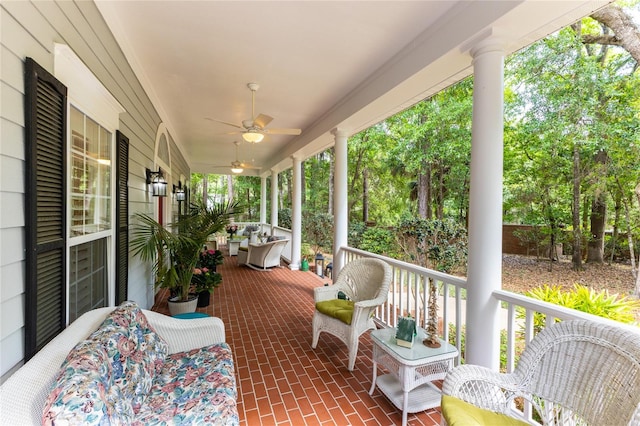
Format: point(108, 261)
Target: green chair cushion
point(339, 309)
point(243, 248)
point(460, 413)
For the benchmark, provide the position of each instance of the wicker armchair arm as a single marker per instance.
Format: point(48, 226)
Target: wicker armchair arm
point(372, 303)
point(482, 387)
point(325, 293)
point(184, 335)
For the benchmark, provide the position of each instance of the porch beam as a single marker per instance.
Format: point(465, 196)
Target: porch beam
point(485, 205)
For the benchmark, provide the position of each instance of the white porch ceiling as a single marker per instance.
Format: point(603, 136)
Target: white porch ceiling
point(319, 64)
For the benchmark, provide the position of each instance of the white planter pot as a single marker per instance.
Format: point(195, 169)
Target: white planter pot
point(176, 307)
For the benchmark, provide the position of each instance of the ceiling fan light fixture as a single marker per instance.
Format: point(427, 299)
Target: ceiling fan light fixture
point(252, 137)
point(236, 170)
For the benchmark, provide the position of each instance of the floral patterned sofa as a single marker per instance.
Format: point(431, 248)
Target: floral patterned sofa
point(136, 367)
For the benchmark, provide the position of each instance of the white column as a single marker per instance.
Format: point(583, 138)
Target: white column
point(340, 200)
point(296, 215)
point(484, 274)
point(263, 200)
point(274, 199)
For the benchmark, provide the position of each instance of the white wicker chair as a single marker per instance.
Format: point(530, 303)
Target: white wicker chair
point(572, 372)
point(364, 281)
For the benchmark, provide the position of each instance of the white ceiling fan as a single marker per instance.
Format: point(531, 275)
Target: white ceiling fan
point(237, 166)
point(253, 130)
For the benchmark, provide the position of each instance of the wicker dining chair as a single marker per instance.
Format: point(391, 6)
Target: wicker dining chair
point(572, 372)
point(345, 309)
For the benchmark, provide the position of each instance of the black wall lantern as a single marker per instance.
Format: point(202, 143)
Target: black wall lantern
point(157, 182)
point(180, 196)
point(179, 191)
point(320, 264)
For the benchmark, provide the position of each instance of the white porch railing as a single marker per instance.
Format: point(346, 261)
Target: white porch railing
point(408, 293)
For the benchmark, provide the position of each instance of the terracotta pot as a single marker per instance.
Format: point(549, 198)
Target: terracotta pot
point(177, 307)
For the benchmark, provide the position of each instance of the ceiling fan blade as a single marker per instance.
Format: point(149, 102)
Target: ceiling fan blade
point(223, 122)
point(229, 133)
point(283, 131)
point(249, 166)
point(262, 120)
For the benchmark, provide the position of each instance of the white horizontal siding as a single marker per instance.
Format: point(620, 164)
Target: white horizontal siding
point(30, 29)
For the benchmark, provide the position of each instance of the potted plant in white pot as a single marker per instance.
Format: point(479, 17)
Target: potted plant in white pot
point(175, 250)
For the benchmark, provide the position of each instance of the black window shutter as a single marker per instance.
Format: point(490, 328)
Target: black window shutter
point(45, 207)
point(122, 218)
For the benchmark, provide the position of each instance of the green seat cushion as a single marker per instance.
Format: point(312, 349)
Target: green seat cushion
point(339, 309)
point(460, 413)
point(243, 248)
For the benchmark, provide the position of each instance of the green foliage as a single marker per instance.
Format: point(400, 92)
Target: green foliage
point(284, 218)
point(380, 241)
point(317, 230)
point(175, 250)
point(356, 230)
point(434, 244)
point(584, 299)
point(503, 345)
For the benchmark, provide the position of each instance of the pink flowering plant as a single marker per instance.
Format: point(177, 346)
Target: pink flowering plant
point(210, 259)
point(205, 279)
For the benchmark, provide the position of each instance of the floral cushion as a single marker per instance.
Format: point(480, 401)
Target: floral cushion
point(194, 387)
point(136, 353)
point(81, 398)
point(125, 353)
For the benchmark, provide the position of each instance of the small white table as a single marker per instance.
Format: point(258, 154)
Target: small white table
point(408, 385)
point(234, 245)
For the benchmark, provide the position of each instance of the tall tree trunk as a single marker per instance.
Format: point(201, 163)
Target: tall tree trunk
point(440, 193)
point(331, 174)
point(576, 259)
point(365, 195)
point(616, 226)
point(424, 210)
point(595, 252)
point(633, 257)
point(230, 187)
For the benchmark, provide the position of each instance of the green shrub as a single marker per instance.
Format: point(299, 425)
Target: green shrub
point(503, 346)
point(379, 240)
point(284, 218)
point(434, 244)
point(584, 299)
point(356, 231)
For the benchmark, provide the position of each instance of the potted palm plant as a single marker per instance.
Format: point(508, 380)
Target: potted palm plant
point(174, 250)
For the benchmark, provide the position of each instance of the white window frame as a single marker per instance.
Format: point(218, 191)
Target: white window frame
point(87, 94)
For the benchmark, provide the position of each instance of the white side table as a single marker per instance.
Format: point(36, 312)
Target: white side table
point(408, 385)
point(234, 245)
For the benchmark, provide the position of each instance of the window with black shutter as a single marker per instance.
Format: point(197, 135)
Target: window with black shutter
point(45, 207)
point(122, 217)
